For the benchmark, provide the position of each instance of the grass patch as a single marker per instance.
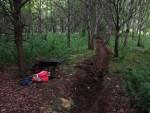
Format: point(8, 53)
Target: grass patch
point(133, 63)
point(50, 46)
point(75, 58)
point(135, 69)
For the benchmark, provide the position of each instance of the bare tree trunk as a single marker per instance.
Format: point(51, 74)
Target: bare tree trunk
point(116, 49)
point(133, 34)
point(89, 37)
point(126, 37)
point(139, 39)
point(40, 18)
point(68, 37)
point(68, 17)
point(20, 53)
point(97, 17)
point(62, 24)
point(52, 19)
point(88, 25)
point(30, 14)
point(133, 30)
point(46, 22)
point(15, 11)
point(18, 30)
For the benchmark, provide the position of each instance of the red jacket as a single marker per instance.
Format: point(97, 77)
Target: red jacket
point(41, 76)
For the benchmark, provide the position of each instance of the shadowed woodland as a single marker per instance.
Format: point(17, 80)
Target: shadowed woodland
point(94, 55)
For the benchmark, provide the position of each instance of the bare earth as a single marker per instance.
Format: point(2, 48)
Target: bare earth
point(65, 95)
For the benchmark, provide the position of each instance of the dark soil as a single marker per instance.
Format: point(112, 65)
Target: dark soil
point(89, 95)
point(89, 89)
point(103, 96)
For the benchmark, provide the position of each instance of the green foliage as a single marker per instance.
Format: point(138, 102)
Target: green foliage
point(51, 46)
point(137, 76)
point(7, 52)
point(133, 62)
point(134, 65)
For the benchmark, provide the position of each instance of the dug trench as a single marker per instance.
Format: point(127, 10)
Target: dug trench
point(95, 90)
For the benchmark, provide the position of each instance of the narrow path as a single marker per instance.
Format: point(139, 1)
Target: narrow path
point(101, 97)
point(89, 95)
point(86, 90)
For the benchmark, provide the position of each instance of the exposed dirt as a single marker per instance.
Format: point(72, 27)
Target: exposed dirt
point(88, 95)
point(106, 95)
point(90, 89)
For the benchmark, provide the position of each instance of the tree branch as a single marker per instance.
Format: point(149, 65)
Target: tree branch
point(23, 3)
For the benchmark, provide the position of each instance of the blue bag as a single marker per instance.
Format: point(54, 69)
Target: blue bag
point(26, 81)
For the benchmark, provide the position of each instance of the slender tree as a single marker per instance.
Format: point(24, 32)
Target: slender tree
point(14, 12)
point(69, 23)
point(120, 12)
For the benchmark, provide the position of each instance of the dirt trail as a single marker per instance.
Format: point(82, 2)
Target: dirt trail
point(89, 95)
point(91, 89)
point(95, 90)
point(107, 96)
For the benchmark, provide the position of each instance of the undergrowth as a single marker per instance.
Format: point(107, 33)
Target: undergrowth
point(133, 63)
point(134, 66)
point(52, 46)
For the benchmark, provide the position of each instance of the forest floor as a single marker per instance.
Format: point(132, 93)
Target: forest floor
point(65, 94)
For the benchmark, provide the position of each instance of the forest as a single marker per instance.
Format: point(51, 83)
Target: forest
point(94, 53)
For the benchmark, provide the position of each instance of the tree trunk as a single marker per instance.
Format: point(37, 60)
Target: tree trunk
point(68, 38)
point(116, 49)
point(30, 17)
point(40, 18)
point(83, 30)
point(95, 23)
point(133, 32)
point(18, 30)
point(139, 39)
point(133, 35)
point(126, 38)
point(68, 33)
point(90, 39)
point(62, 24)
point(90, 45)
point(20, 54)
